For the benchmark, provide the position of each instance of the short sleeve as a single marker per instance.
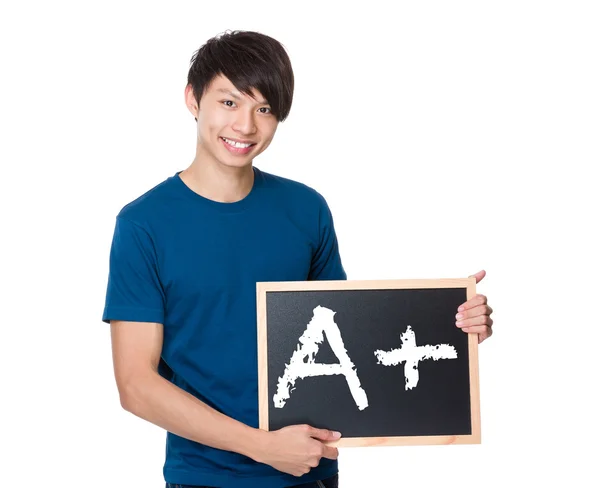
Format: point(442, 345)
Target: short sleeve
point(134, 292)
point(326, 262)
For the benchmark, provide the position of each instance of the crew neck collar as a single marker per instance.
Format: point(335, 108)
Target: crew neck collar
point(231, 207)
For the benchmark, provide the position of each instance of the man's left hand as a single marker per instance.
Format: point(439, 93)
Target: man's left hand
point(474, 314)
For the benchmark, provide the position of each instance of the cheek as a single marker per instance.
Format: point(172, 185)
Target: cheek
point(266, 143)
point(211, 124)
point(268, 131)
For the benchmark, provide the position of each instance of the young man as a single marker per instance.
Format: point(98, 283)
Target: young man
point(184, 263)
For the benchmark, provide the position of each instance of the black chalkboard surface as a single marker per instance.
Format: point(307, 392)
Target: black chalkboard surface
point(382, 362)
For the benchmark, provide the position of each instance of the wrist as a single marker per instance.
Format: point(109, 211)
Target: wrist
point(257, 445)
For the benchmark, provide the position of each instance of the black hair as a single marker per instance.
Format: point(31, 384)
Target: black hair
point(250, 60)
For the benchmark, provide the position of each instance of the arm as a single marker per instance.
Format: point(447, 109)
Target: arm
point(136, 352)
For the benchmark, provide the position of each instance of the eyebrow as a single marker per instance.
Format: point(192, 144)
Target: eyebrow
point(237, 97)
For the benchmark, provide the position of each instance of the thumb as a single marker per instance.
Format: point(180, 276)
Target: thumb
point(478, 276)
point(324, 434)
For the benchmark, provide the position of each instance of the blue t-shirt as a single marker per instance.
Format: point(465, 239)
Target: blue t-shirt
point(192, 264)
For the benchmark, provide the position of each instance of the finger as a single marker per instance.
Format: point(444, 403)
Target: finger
point(478, 276)
point(323, 434)
point(476, 329)
point(474, 312)
point(330, 452)
point(479, 320)
point(473, 302)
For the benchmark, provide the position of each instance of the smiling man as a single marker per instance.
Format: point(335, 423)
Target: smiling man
point(184, 263)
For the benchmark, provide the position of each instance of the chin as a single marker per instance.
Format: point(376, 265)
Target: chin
point(237, 163)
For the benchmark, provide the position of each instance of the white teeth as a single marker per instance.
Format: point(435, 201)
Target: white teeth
point(236, 144)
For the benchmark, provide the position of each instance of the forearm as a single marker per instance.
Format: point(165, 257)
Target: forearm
point(159, 401)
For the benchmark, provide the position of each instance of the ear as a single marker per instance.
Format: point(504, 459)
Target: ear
point(190, 101)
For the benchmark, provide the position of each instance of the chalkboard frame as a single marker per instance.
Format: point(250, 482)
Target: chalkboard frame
point(263, 289)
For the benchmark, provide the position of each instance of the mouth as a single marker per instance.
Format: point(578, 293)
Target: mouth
point(237, 147)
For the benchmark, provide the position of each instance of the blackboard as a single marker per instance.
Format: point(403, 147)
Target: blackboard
point(382, 362)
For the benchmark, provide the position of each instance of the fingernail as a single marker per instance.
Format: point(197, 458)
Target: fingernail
point(461, 308)
point(458, 324)
point(459, 316)
point(336, 435)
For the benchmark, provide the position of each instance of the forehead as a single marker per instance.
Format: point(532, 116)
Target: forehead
point(221, 86)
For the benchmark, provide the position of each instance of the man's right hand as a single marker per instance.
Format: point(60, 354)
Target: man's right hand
point(297, 449)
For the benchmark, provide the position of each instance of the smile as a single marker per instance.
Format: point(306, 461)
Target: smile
point(236, 144)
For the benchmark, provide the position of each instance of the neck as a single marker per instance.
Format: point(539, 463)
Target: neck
point(217, 182)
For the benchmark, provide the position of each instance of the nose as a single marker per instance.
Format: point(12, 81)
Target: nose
point(244, 122)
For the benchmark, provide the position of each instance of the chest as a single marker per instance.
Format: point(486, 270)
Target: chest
point(228, 252)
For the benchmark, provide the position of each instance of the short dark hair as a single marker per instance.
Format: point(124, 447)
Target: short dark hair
point(249, 60)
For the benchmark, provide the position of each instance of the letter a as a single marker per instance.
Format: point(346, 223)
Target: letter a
point(303, 363)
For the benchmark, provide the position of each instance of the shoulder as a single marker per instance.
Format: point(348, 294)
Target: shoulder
point(151, 205)
point(292, 191)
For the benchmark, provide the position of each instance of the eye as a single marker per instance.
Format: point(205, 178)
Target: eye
point(226, 102)
point(268, 110)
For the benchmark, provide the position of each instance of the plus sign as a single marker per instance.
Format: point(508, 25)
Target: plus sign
point(411, 354)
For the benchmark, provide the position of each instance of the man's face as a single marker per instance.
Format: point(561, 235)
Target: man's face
point(233, 128)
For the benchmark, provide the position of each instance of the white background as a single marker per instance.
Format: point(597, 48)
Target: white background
point(447, 137)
